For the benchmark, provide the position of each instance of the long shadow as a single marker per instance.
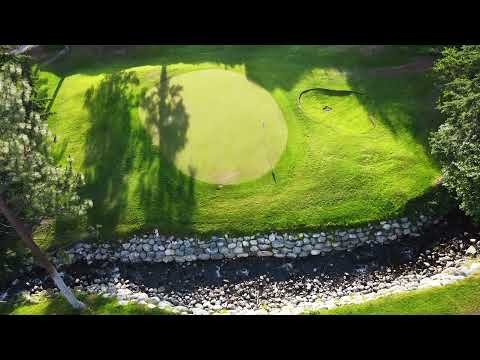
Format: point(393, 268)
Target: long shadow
point(107, 149)
point(270, 66)
point(166, 115)
point(273, 66)
point(118, 146)
point(55, 94)
point(166, 194)
point(404, 103)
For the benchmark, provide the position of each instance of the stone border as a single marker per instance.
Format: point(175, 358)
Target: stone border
point(155, 248)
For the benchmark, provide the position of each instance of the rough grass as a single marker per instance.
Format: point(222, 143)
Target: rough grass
point(461, 298)
point(325, 177)
point(97, 305)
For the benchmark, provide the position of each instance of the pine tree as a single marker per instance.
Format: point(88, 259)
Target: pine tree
point(32, 186)
point(457, 141)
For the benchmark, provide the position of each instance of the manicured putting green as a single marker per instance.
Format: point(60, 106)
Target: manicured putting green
point(343, 111)
point(235, 131)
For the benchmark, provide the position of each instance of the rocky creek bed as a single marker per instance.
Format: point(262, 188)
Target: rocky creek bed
point(443, 254)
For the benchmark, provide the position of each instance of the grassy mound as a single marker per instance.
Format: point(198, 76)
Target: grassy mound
point(325, 176)
point(340, 110)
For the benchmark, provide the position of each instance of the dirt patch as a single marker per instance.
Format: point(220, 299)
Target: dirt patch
point(420, 64)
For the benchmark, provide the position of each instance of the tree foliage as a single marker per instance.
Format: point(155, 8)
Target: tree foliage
point(457, 141)
point(30, 181)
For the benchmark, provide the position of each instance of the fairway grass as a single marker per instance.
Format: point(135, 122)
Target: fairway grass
point(335, 171)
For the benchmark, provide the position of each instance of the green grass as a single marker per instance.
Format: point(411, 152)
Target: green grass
point(461, 298)
point(214, 119)
point(97, 305)
point(334, 171)
point(346, 115)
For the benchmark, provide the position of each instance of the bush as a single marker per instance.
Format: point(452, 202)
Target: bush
point(457, 141)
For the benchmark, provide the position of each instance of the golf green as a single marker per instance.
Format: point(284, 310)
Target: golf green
point(225, 117)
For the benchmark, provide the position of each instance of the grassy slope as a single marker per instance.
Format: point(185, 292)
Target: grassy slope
point(97, 305)
point(325, 177)
point(455, 299)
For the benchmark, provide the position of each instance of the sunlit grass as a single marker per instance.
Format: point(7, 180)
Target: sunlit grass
point(96, 305)
point(461, 298)
point(335, 171)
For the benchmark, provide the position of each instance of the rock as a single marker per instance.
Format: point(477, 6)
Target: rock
point(204, 256)
point(308, 248)
point(277, 244)
point(168, 259)
point(238, 250)
point(140, 296)
point(264, 253)
point(471, 251)
point(153, 300)
point(197, 311)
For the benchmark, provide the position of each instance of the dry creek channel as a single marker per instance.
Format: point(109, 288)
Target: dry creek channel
point(279, 286)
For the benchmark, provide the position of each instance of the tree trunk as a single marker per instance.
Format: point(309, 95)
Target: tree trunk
point(41, 257)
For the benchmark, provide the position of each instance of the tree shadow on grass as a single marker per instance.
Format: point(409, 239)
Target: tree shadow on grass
point(107, 149)
point(403, 102)
point(262, 63)
point(166, 194)
point(123, 159)
point(166, 116)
